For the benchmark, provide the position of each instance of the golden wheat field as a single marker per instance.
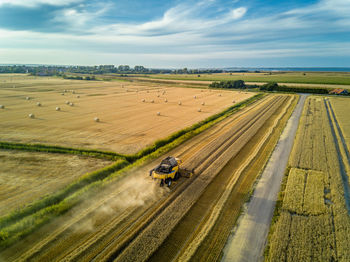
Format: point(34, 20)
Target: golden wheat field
point(313, 222)
point(341, 108)
point(130, 115)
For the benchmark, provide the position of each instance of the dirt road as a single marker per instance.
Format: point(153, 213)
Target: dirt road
point(249, 238)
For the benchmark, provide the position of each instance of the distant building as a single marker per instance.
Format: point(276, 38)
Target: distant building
point(339, 91)
point(42, 74)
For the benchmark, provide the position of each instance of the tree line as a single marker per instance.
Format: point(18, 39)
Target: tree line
point(271, 87)
point(48, 70)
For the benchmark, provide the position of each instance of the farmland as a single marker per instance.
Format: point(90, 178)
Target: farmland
point(126, 124)
point(91, 197)
point(52, 193)
point(119, 221)
point(312, 214)
point(231, 187)
point(174, 131)
point(330, 78)
point(341, 107)
point(27, 176)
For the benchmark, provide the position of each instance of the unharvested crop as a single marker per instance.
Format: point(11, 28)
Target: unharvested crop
point(293, 198)
point(341, 110)
point(304, 193)
point(313, 222)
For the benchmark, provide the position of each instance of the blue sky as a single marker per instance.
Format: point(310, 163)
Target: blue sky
point(175, 34)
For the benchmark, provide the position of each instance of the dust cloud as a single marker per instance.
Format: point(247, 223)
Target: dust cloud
point(136, 191)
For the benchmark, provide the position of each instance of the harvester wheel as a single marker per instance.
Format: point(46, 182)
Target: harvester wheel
point(168, 182)
point(177, 176)
point(162, 182)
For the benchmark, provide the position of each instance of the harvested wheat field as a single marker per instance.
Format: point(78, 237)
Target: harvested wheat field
point(27, 176)
point(312, 216)
point(133, 217)
point(117, 116)
point(219, 206)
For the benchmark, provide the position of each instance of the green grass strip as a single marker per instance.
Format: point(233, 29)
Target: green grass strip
point(24, 221)
point(60, 150)
point(310, 78)
point(61, 194)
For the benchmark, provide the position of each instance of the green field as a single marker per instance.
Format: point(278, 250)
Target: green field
point(333, 78)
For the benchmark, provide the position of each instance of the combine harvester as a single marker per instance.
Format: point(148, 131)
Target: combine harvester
point(169, 170)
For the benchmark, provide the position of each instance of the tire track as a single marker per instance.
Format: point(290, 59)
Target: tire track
point(117, 241)
point(78, 251)
point(212, 216)
point(236, 117)
point(59, 232)
point(153, 235)
point(223, 142)
point(342, 152)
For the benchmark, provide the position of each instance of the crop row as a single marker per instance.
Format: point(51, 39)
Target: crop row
point(216, 227)
point(113, 231)
point(340, 106)
point(304, 193)
point(302, 238)
point(311, 220)
point(342, 147)
point(218, 154)
point(24, 221)
point(337, 194)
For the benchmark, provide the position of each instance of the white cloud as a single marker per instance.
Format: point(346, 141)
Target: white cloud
point(178, 19)
point(33, 3)
point(337, 8)
point(238, 12)
point(71, 17)
point(75, 18)
point(78, 18)
point(340, 7)
point(184, 34)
